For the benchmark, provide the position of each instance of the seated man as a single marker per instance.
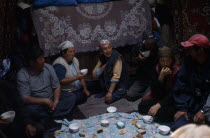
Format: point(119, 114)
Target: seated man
point(67, 69)
point(206, 108)
point(22, 126)
point(192, 86)
point(144, 56)
point(112, 71)
point(158, 101)
point(39, 88)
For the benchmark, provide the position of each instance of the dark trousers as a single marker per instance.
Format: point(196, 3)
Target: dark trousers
point(164, 114)
point(116, 95)
point(94, 86)
point(138, 89)
point(41, 113)
point(182, 121)
point(15, 130)
point(80, 96)
point(97, 87)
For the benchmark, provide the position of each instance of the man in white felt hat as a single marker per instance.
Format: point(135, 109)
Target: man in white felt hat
point(67, 69)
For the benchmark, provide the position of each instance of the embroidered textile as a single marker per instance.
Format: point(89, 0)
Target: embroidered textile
point(121, 22)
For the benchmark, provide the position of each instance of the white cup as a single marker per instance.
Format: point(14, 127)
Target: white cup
point(8, 116)
point(111, 109)
point(74, 127)
point(145, 53)
point(84, 71)
point(104, 123)
point(120, 124)
point(148, 119)
point(164, 130)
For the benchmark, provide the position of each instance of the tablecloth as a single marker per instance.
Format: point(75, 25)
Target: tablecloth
point(90, 126)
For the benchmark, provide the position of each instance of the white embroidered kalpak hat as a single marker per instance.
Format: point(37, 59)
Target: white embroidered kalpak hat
point(105, 42)
point(65, 45)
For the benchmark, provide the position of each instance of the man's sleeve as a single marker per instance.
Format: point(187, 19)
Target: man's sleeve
point(60, 71)
point(182, 93)
point(117, 71)
point(23, 84)
point(53, 77)
point(96, 71)
point(206, 109)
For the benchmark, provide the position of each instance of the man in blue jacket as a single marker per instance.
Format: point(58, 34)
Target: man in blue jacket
point(193, 82)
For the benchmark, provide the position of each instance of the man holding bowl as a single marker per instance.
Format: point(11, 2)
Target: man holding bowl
point(67, 69)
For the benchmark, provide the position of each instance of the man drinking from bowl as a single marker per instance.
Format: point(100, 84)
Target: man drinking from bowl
point(67, 69)
point(144, 56)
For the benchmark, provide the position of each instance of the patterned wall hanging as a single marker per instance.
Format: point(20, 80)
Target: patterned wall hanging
point(191, 17)
point(122, 22)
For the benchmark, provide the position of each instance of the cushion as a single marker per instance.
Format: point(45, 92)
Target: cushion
point(148, 96)
point(41, 3)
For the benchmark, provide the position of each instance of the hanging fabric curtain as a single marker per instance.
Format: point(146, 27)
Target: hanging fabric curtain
point(122, 22)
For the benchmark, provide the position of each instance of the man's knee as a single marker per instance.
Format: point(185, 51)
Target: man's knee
point(178, 123)
point(131, 93)
point(69, 96)
point(135, 91)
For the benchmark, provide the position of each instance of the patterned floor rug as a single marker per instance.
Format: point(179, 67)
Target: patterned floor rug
point(96, 106)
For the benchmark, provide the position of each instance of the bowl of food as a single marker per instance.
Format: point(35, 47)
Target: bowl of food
point(8, 116)
point(84, 71)
point(148, 119)
point(104, 123)
point(74, 127)
point(111, 109)
point(164, 130)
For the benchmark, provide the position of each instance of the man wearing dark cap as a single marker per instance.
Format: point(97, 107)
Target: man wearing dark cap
point(192, 86)
point(144, 55)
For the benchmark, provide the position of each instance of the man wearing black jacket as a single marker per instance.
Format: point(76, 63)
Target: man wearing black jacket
point(192, 85)
point(144, 56)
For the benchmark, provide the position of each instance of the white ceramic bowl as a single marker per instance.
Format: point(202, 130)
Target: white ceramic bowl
point(145, 53)
point(148, 119)
point(8, 116)
point(84, 71)
point(104, 123)
point(74, 127)
point(111, 109)
point(164, 130)
point(120, 124)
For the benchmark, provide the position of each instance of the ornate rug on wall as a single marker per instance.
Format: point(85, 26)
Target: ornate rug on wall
point(122, 22)
point(194, 18)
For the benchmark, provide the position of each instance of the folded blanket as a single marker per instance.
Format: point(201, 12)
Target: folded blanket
point(42, 3)
point(91, 1)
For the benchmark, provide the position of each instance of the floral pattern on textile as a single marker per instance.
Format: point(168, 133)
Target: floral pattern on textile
point(193, 18)
point(91, 125)
point(95, 11)
point(121, 22)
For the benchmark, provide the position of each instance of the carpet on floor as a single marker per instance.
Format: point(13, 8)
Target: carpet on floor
point(96, 106)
